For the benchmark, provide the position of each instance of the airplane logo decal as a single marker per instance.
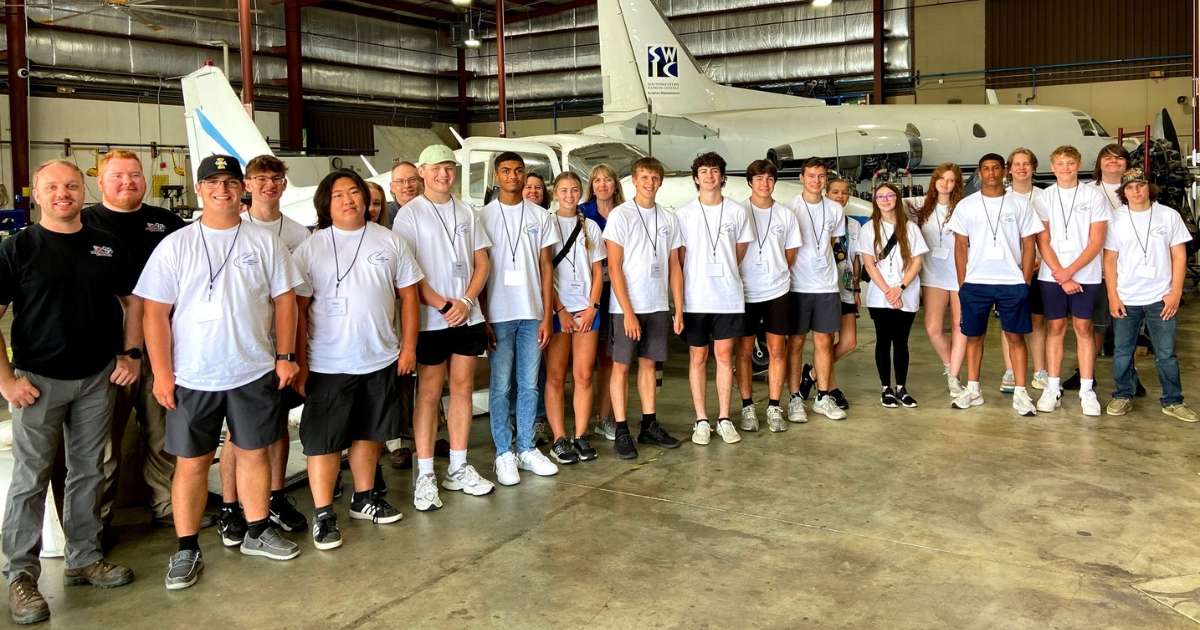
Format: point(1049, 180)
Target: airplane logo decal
point(662, 62)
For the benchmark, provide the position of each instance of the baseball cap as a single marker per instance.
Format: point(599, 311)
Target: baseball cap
point(1134, 175)
point(436, 154)
point(219, 165)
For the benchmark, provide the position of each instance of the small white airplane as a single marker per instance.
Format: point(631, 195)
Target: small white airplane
point(216, 122)
point(652, 81)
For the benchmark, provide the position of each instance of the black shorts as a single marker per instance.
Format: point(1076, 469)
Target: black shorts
point(434, 347)
point(701, 329)
point(656, 327)
point(849, 308)
point(1101, 317)
point(605, 327)
point(343, 408)
point(251, 411)
point(770, 316)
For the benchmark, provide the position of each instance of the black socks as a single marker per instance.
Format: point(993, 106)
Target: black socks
point(256, 528)
point(747, 402)
point(648, 419)
point(360, 496)
point(774, 402)
point(622, 428)
point(189, 543)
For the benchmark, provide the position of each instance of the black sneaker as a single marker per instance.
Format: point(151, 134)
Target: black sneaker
point(658, 436)
point(839, 398)
point(1072, 383)
point(905, 398)
point(807, 382)
point(231, 525)
point(888, 398)
point(375, 510)
point(584, 449)
point(284, 514)
point(563, 452)
point(625, 447)
point(325, 532)
point(541, 431)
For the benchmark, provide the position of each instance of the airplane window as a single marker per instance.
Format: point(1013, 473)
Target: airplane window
point(977, 131)
point(1085, 127)
point(481, 170)
point(1100, 131)
point(615, 154)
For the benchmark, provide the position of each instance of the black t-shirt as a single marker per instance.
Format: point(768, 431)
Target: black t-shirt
point(67, 321)
point(139, 231)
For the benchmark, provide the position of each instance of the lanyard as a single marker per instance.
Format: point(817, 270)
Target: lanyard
point(941, 223)
point(512, 245)
point(653, 237)
point(1063, 213)
point(720, 217)
point(337, 268)
point(1104, 191)
point(987, 215)
point(437, 212)
point(754, 220)
point(1145, 246)
point(812, 224)
point(563, 239)
point(212, 275)
point(250, 216)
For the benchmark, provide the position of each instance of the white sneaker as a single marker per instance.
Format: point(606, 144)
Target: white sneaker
point(535, 462)
point(796, 411)
point(775, 420)
point(1089, 403)
point(954, 386)
point(749, 419)
point(1008, 382)
point(1041, 380)
point(468, 480)
point(1023, 404)
point(828, 406)
point(1050, 400)
point(425, 494)
point(701, 432)
point(727, 432)
point(966, 399)
point(506, 470)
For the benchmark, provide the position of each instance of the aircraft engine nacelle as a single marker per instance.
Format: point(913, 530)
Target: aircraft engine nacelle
point(857, 150)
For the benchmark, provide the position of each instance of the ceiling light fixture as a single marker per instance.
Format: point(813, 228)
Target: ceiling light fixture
point(471, 41)
point(821, 4)
point(461, 3)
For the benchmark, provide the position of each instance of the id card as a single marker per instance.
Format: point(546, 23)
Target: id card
point(514, 278)
point(336, 306)
point(820, 262)
point(209, 312)
point(575, 287)
point(716, 269)
point(940, 253)
point(762, 265)
point(891, 276)
point(995, 251)
point(1146, 271)
point(460, 270)
point(656, 270)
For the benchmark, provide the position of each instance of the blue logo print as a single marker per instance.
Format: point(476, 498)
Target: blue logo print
point(662, 62)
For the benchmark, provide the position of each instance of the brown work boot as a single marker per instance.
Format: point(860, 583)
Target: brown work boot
point(25, 602)
point(101, 573)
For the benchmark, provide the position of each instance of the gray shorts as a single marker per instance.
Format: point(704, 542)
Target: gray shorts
point(656, 328)
point(818, 312)
point(252, 412)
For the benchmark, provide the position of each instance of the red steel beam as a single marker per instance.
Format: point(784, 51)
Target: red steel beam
point(295, 75)
point(246, 54)
point(18, 102)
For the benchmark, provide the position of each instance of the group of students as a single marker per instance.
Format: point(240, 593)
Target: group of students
point(244, 314)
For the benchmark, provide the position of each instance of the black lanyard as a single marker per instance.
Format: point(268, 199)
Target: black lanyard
point(653, 237)
point(337, 265)
point(562, 239)
point(754, 219)
point(1062, 213)
point(250, 215)
point(512, 245)
point(437, 212)
point(812, 225)
point(987, 215)
point(720, 217)
point(212, 275)
point(941, 223)
point(1145, 247)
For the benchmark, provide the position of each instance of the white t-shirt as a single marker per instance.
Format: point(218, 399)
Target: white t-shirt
point(648, 236)
point(443, 238)
point(765, 271)
point(518, 234)
point(892, 267)
point(1070, 213)
point(845, 267)
point(994, 227)
point(291, 232)
point(351, 324)
point(1144, 275)
point(220, 341)
point(814, 270)
point(937, 270)
point(712, 281)
point(1110, 194)
point(573, 275)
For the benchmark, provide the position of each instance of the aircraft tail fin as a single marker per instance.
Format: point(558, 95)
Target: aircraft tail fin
point(216, 121)
point(644, 66)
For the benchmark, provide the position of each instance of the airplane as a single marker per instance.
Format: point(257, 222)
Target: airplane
point(651, 81)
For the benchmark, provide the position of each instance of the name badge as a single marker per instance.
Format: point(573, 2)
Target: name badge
point(209, 312)
point(460, 270)
point(656, 270)
point(820, 261)
point(716, 269)
point(336, 306)
point(1146, 271)
point(994, 251)
point(762, 265)
point(575, 287)
point(514, 278)
point(940, 253)
point(891, 276)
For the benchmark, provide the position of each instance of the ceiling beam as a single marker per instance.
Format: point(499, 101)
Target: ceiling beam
point(550, 9)
point(415, 8)
point(379, 14)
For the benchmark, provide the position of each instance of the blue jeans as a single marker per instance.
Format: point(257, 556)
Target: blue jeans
point(1162, 336)
point(516, 354)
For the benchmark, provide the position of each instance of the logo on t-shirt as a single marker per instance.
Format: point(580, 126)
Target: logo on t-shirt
point(246, 260)
point(379, 257)
point(462, 229)
point(156, 227)
point(1159, 231)
point(664, 231)
point(102, 250)
point(532, 230)
point(1009, 218)
point(729, 228)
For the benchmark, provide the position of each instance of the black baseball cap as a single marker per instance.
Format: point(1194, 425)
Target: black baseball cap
point(219, 165)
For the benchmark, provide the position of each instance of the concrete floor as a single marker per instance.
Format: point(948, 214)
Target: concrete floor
point(895, 518)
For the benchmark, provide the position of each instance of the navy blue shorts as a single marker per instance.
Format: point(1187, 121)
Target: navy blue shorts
point(1011, 302)
point(1056, 304)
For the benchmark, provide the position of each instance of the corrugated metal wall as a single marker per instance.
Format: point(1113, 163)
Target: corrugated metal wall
point(1024, 34)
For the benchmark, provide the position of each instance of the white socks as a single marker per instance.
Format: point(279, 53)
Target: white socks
point(458, 459)
point(973, 386)
point(1054, 383)
point(424, 466)
point(1085, 384)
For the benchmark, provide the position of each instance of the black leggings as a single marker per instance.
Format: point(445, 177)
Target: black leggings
point(891, 343)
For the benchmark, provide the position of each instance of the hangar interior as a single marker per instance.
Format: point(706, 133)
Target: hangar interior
point(895, 518)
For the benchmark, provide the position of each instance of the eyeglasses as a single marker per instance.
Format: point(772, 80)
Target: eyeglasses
point(213, 184)
point(262, 179)
point(411, 181)
point(888, 197)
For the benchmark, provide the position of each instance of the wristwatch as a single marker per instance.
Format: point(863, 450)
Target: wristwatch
point(285, 356)
point(445, 308)
point(903, 286)
point(132, 353)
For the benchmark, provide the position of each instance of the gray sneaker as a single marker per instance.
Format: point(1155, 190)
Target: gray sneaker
point(270, 545)
point(749, 419)
point(775, 420)
point(183, 569)
point(607, 427)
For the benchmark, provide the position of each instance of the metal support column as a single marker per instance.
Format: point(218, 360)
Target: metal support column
point(295, 77)
point(246, 54)
point(877, 41)
point(503, 98)
point(18, 102)
point(464, 118)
